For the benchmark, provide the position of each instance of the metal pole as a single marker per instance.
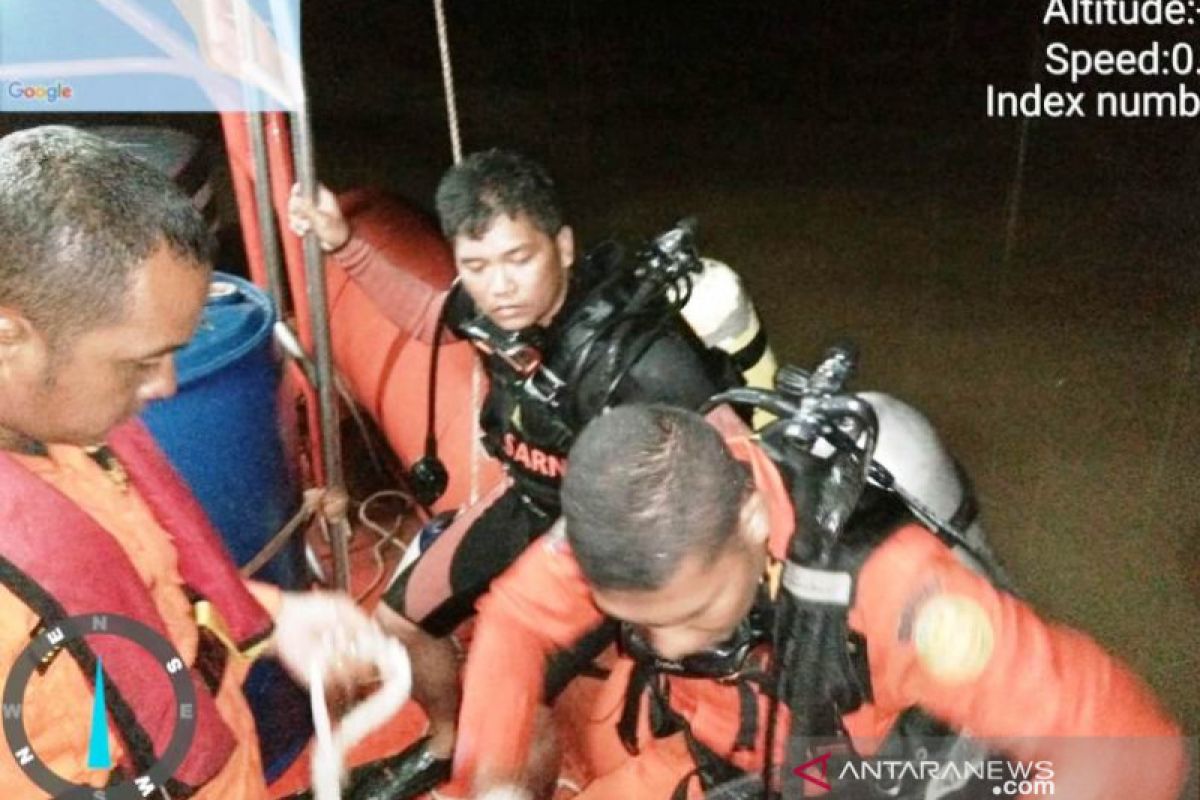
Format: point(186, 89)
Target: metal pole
point(335, 501)
point(331, 449)
point(277, 281)
point(243, 21)
point(314, 271)
point(266, 216)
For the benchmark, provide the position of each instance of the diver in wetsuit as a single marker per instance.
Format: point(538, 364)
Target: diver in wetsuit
point(562, 339)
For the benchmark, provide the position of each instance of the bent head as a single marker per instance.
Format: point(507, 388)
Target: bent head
point(666, 525)
point(511, 248)
point(104, 269)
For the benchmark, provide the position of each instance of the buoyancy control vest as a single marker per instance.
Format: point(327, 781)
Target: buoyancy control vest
point(807, 656)
point(836, 659)
point(548, 382)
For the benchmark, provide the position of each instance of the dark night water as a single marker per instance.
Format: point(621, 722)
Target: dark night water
point(840, 158)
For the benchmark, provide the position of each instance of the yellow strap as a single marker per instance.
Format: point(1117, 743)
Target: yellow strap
point(774, 577)
point(207, 616)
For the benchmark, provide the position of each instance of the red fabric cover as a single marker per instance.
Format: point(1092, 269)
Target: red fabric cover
point(83, 568)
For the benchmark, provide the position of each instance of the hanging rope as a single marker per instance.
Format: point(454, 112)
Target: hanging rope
point(448, 80)
point(439, 12)
point(1017, 187)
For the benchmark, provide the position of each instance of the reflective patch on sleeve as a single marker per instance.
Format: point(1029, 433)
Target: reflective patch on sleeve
point(953, 637)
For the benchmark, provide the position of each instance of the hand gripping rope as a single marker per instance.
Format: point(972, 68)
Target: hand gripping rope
point(332, 744)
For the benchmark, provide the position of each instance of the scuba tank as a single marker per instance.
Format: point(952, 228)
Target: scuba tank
point(723, 316)
point(829, 443)
point(716, 305)
point(857, 468)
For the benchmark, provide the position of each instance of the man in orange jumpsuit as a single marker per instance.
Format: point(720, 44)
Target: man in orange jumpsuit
point(104, 271)
point(672, 524)
point(520, 283)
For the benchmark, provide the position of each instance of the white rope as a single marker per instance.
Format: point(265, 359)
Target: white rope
point(448, 80)
point(331, 744)
point(506, 793)
point(439, 11)
point(476, 434)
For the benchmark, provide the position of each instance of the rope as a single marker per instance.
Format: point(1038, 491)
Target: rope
point(448, 80)
point(386, 537)
point(439, 11)
point(476, 433)
point(332, 744)
point(312, 500)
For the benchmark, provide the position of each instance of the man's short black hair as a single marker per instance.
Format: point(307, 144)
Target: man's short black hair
point(647, 485)
point(490, 183)
point(78, 217)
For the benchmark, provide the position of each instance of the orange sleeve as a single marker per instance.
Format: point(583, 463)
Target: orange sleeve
point(268, 595)
point(408, 302)
point(539, 605)
point(941, 637)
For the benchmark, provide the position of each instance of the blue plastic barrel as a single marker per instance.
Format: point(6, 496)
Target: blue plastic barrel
point(222, 433)
point(221, 430)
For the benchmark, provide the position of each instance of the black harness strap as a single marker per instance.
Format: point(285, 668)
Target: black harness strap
point(645, 681)
point(711, 769)
point(753, 352)
point(211, 659)
point(747, 716)
point(579, 660)
point(137, 741)
point(141, 750)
